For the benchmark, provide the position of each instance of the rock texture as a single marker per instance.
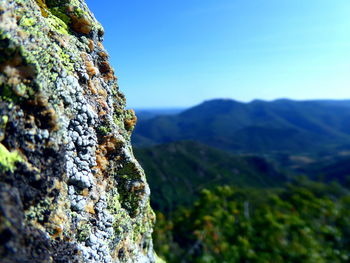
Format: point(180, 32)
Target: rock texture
point(70, 187)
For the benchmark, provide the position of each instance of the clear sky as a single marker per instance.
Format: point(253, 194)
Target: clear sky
point(181, 52)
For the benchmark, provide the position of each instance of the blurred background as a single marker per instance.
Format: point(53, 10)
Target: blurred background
point(243, 124)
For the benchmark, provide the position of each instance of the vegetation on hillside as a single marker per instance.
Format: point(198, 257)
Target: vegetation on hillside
point(305, 222)
point(178, 171)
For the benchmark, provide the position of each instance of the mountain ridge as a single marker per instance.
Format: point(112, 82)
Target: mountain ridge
point(247, 127)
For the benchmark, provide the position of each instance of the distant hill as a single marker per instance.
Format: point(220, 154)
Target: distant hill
point(146, 114)
point(256, 127)
point(177, 172)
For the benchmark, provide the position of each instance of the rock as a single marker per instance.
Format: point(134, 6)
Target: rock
point(70, 187)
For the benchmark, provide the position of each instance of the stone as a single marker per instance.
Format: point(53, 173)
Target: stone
point(52, 112)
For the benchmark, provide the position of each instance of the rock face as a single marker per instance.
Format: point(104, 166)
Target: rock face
point(70, 187)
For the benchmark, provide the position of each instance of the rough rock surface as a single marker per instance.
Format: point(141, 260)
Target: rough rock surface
point(70, 187)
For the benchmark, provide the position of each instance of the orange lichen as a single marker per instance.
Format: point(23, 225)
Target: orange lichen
point(45, 116)
point(80, 22)
point(90, 67)
point(130, 121)
point(92, 88)
point(85, 192)
point(102, 92)
point(99, 44)
point(17, 72)
point(91, 45)
point(110, 145)
point(101, 160)
point(90, 208)
point(103, 54)
point(103, 104)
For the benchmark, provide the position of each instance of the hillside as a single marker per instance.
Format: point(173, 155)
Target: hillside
point(178, 171)
point(258, 127)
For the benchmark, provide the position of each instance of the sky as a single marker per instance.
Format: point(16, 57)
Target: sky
point(179, 53)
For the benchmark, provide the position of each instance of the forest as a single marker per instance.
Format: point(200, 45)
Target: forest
point(277, 199)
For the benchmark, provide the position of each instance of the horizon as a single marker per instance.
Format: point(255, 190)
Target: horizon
point(182, 53)
point(232, 99)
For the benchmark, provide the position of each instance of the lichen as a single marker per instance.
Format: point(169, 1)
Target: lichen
point(78, 183)
point(37, 213)
point(104, 130)
point(84, 231)
point(57, 24)
point(8, 159)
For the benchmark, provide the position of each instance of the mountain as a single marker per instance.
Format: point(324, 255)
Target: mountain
point(146, 114)
point(178, 171)
point(256, 127)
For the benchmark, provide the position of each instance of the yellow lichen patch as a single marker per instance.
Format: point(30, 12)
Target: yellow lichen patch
point(57, 25)
point(8, 159)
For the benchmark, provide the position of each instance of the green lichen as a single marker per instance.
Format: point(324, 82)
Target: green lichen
point(84, 231)
point(121, 219)
point(38, 211)
point(66, 60)
point(104, 130)
point(4, 120)
point(8, 159)
point(27, 21)
point(58, 12)
point(158, 259)
point(113, 204)
point(57, 25)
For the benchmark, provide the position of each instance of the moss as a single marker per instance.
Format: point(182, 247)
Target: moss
point(8, 159)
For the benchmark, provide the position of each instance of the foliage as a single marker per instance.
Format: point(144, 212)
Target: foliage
point(178, 171)
point(305, 222)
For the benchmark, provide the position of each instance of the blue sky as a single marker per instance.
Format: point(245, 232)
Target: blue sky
point(179, 53)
